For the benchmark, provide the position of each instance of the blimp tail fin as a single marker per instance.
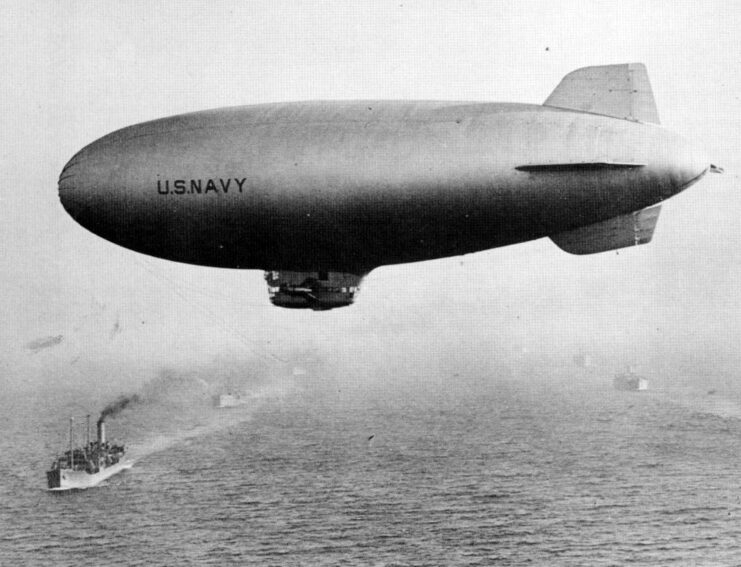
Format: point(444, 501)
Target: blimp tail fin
point(632, 229)
point(621, 91)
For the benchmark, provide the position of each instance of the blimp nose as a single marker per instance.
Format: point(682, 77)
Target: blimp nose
point(72, 181)
point(90, 186)
point(89, 190)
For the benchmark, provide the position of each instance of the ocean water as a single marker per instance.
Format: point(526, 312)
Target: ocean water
point(481, 471)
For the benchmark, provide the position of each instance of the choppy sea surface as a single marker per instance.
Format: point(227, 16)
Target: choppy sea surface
point(485, 471)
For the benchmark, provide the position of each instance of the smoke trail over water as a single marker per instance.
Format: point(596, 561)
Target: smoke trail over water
point(119, 405)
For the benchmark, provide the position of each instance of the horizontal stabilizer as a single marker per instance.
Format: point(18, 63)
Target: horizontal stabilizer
point(620, 91)
point(618, 232)
point(579, 166)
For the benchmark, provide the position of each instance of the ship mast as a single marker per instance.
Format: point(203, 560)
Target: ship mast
point(71, 460)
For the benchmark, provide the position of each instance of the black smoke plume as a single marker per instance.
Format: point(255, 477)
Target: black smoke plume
point(114, 408)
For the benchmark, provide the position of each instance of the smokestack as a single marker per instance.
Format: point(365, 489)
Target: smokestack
point(101, 432)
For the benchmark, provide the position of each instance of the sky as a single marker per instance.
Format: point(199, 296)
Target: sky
point(75, 71)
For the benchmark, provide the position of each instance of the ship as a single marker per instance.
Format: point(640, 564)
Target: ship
point(89, 465)
point(230, 400)
point(630, 381)
point(583, 360)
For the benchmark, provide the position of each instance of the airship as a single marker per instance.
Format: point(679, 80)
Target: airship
point(317, 194)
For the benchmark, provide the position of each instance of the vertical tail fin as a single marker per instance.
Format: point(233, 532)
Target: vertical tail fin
point(632, 229)
point(621, 91)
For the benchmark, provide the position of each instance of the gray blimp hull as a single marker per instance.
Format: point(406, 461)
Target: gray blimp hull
point(349, 186)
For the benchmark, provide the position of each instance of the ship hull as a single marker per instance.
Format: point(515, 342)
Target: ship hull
point(66, 479)
point(229, 401)
point(630, 383)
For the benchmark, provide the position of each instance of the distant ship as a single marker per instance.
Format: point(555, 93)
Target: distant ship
point(87, 466)
point(630, 381)
point(583, 360)
point(230, 400)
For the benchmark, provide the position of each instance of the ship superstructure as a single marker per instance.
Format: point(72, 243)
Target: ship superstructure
point(231, 400)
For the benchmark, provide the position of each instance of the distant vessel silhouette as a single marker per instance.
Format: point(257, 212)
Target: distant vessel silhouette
point(230, 400)
point(629, 381)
